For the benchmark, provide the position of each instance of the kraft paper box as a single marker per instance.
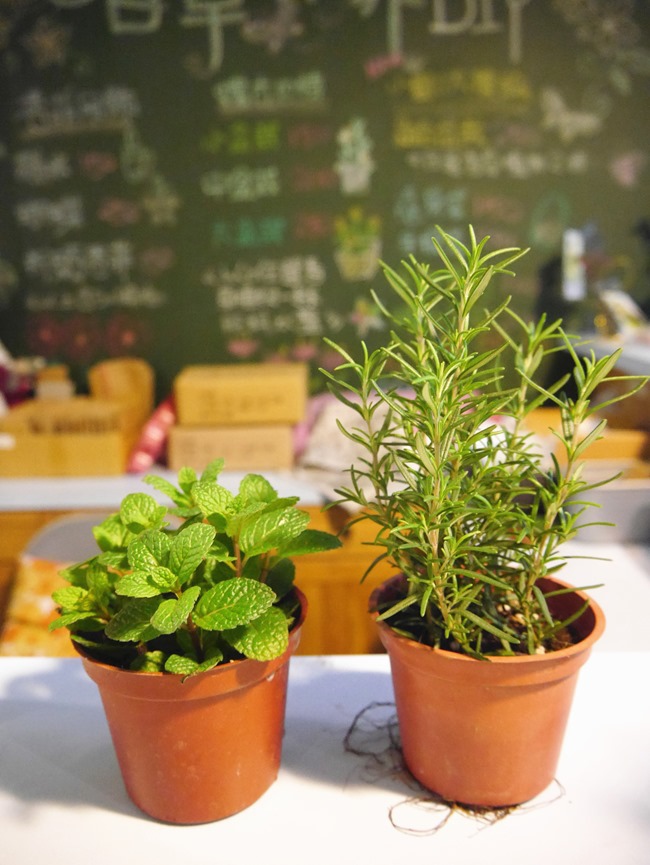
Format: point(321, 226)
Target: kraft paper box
point(247, 448)
point(52, 438)
point(240, 394)
point(615, 444)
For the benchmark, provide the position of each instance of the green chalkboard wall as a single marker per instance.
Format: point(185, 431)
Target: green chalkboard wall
point(215, 180)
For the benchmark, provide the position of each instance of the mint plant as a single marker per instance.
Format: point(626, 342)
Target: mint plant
point(185, 587)
point(464, 505)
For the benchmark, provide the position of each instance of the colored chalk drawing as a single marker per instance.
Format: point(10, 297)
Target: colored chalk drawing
point(249, 130)
point(355, 164)
point(358, 244)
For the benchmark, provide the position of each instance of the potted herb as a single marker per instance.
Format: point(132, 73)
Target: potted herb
point(186, 619)
point(473, 520)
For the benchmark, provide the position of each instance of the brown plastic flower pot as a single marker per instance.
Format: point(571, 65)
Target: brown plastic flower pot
point(486, 733)
point(202, 749)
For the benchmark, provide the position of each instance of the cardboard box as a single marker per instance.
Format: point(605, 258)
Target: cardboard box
point(51, 438)
point(615, 444)
point(241, 394)
point(264, 446)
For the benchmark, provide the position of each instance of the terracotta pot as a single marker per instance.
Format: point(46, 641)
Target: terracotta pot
point(203, 749)
point(486, 733)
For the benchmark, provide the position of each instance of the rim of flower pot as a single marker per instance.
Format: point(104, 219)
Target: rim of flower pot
point(238, 673)
point(592, 627)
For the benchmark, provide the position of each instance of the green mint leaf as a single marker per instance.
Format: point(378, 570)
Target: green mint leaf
point(231, 603)
point(213, 469)
point(140, 511)
point(188, 667)
point(71, 598)
point(263, 639)
point(76, 575)
point(212, 499)
point(281, 576)
point(149, 549)
point(133, 622)
point(181, 665)
point(186, 479)
point(112, 534)
point(164, 486)
point(189, 547)
point(113, 559)
point(174, 612)
point(139, 584)
point(220, 553)
point(73, 617)
point(150, 662)
point(271, 528)
point(253, 568)
point(100, 583)
point(255, 488)
point(310, 541)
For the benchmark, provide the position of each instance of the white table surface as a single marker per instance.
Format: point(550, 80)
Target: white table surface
point(62, 799)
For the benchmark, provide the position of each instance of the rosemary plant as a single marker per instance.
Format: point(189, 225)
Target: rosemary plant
point(466, 507)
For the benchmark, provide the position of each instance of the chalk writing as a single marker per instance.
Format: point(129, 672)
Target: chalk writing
point(270, 295)
point(118, 212)
point(305, 136)
point(503, 208)
point(80, 337)
point(241, 95)
point(487, 90)
point(305, 179)
point(242, 138)
point(286, 23)
point(451, 133)
point(97, 164)
point(134, 17)
point(415, 204)
point(80, 262)
point(274, 31)
point(311, 225)
point(292, 271)
point(247, 233)
point(36, 168)
point(478, 18)
point(92, 299)
point(59, 216)
point(215, 15)
point(492, 163)
point(242, 183)
point(70, 110)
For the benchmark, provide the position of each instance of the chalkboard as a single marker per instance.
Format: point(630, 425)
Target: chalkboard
point(209, 181)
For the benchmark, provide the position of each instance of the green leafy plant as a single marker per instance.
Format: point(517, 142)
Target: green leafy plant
point(465, 507)
point(186, 587)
